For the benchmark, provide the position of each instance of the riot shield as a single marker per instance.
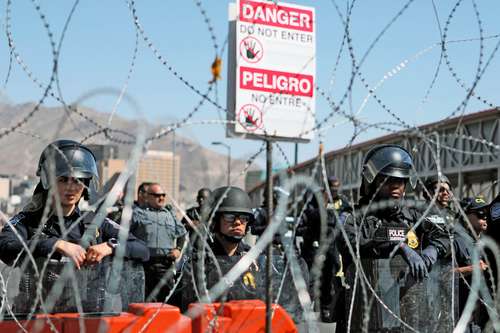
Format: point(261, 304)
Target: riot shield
point(95, 285)
point(250, 285)
point(402, 304)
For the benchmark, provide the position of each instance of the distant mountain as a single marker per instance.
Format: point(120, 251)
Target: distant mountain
point(21, 148)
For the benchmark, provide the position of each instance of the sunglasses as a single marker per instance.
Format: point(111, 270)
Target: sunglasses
point(157, 195)
point(231, 218)
point(482, 215)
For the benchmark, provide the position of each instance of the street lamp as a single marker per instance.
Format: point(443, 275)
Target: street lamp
point(228, 147)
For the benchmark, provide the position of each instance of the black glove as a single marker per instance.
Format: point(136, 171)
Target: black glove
point(414, 261)
point(429, 255)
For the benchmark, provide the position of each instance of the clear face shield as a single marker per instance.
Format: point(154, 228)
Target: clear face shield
point(390, 161)
point(69, 161)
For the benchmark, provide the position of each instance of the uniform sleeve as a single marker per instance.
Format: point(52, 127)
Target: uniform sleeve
point(10, 245)
point(438, 236)
point(134, 247)
point(180, 230)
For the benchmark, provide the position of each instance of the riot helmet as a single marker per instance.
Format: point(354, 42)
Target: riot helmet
point(70, 159)
point(228, 200)
point(388, 160)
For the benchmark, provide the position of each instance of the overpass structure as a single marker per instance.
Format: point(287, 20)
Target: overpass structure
point(467, 149)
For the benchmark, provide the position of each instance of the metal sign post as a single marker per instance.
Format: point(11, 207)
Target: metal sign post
point(271, 80)
point(269, 250)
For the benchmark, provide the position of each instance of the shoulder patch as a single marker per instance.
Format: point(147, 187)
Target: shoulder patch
point(16, 219)
point(495, 211)
point(436, 219)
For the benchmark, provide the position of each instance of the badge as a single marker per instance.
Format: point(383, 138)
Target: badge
point(249, 281)
point(338, 204)
point(412, 239)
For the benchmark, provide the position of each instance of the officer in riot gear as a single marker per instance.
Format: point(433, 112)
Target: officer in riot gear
point(51, 224)
point(384, 228)
point(229, 214)
point(67, 172)
point(232, 216)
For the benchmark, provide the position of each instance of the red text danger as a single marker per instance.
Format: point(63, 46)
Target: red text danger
point(276, 15)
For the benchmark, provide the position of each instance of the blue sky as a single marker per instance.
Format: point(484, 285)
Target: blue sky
point(100, 39)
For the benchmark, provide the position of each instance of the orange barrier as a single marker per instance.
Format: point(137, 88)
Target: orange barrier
point(239, 316)
point(143, 317)
point(232, 317)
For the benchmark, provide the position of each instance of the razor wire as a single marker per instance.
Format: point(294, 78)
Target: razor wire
point(141, 140)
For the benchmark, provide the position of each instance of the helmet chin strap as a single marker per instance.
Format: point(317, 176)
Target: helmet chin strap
point(232, 239)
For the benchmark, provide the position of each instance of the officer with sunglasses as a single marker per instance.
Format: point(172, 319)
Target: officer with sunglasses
point(228, 212)
point(164, 235)
point(441, 212)
point(466, 234)
point(232, 216)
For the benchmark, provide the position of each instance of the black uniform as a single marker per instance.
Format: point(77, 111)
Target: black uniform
point(331, 293)
point(26, 225)
point(381, 230)
point(194, 214)
point(379, 234)
point(464, 243)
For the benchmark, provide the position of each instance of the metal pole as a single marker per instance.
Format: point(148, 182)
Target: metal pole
point(173, 167)
point(269, 252)
point(295, 191)
point(229, 165)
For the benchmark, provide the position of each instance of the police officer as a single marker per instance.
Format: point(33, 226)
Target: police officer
point(67, 171)
point(383, 225)
point(476, 210)
point(232, 216)
point(194, 213)
point(164, 235)
point(441, 212)
point(228, 212)
point(142, 194)
point(339, 201)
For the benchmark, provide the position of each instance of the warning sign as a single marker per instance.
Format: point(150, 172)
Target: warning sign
point(251, 49)
point(250, 117)
point(272, 68)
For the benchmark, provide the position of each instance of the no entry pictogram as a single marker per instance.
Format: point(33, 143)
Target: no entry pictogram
point(250, 117)
point(251, 49)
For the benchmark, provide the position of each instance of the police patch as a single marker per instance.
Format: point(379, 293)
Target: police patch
point(396, 234)
point(495, 211)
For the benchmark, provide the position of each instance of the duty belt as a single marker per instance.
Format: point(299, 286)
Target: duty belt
point(155, 252)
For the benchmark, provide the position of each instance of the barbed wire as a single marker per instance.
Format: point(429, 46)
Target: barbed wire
point(431, 141)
